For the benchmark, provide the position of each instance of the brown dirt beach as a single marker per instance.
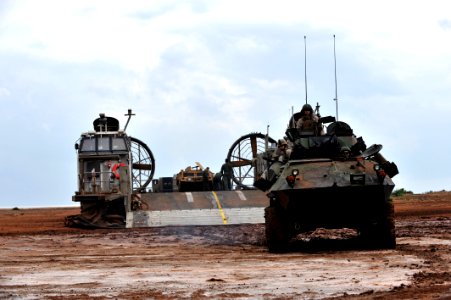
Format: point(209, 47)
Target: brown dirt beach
point(42, 259)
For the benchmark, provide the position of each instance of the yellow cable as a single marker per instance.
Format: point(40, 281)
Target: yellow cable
point(224, 218)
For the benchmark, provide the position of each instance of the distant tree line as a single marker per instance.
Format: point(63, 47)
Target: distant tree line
point(400, 192)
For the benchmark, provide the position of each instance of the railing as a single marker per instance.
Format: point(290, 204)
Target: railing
point(98, 183)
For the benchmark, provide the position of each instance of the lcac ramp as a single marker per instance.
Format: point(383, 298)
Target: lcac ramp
point(199, 208)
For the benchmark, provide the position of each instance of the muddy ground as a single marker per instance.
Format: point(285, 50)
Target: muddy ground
point(42, 259)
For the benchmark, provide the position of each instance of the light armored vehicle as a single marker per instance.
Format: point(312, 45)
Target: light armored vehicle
point(330, 180)
point(194, 179)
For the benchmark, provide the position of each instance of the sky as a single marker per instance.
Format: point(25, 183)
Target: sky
point(201, 74)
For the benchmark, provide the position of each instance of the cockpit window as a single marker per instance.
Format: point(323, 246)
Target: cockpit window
point(119, 144)
point(88, 145)
point(103, 143)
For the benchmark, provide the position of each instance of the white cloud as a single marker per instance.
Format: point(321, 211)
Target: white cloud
point(4, 92)
point(76, 32)
point(217, 70)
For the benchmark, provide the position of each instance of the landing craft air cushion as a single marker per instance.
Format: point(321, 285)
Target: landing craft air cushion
point(114, 170)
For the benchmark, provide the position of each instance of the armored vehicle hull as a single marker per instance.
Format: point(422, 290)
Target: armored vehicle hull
point(320, 197)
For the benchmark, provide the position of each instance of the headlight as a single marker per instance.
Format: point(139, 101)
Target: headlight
point(291, 180)
point(376, 167)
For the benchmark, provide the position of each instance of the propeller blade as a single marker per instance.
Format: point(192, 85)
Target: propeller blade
point(254, 146)
point(240, 163)
point(142, 166)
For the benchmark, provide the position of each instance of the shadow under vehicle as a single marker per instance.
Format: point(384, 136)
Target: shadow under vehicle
point(331, 180)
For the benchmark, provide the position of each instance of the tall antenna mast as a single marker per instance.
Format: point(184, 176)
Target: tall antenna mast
point(129, 114)
point(267, 138)
point(305, 67)
point(336, 88)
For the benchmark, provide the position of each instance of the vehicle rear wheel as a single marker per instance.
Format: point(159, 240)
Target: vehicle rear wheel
point(276, 230)
point(181, 187)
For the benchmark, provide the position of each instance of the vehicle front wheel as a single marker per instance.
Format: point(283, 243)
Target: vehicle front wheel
point(381, 235)
point(276, 230)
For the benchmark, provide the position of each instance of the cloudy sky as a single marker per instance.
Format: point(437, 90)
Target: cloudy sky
point(200, 74)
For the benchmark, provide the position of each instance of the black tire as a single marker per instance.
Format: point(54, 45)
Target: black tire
point(276, 230)
point(382, 234)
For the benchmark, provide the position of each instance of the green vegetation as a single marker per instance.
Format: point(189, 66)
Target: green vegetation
point(400, 192)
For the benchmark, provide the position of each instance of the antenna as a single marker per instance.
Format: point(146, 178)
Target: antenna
point(129, 114)
point(267, 138)
point(305, 66)
point(336, 93)
point(103, 126)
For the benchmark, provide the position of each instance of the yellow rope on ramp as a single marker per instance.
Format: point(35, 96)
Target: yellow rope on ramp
point(221, 211)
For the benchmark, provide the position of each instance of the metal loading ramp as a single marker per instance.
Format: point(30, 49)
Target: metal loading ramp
point(199, 208)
